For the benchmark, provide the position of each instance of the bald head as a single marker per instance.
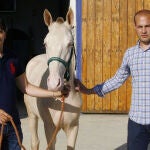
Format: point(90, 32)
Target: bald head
point(144, 12)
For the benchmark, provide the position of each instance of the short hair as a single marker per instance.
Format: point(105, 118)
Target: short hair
point(2, 24)
point(141, 12)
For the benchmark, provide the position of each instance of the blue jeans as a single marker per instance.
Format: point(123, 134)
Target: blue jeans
point(10, 141)
point(138, 136)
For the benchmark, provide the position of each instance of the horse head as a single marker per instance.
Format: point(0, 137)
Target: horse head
point(59, 44)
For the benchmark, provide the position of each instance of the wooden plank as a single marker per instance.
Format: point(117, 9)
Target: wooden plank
point(122, 48)
point(90, 51)
point(131, 41)
point(84, 52)
point(146, 4)
point(98, 51)
point(114, 50)
point(106, 49)
point(131, 32)
point(139, 5)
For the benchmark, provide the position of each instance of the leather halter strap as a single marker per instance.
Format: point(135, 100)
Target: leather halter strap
point(66, 64)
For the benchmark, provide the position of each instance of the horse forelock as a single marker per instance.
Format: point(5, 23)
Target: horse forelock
point(60, 20)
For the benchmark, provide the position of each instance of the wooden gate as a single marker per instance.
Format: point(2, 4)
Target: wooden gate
point(107, 31)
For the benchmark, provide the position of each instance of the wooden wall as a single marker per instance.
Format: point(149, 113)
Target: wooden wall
point(107, 31)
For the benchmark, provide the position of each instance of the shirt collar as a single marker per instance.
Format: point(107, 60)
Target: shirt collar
point(138, 44)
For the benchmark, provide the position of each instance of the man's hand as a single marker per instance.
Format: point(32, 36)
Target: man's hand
point(65, 91)
point(82, 88)
point(4, 117)
point(79, 86)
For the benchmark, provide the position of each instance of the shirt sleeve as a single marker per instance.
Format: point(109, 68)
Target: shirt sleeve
point(116, 81)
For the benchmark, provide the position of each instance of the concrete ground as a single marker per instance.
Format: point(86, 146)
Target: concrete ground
point(96, 132)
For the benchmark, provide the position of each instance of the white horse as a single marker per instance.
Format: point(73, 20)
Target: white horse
point(52, 70)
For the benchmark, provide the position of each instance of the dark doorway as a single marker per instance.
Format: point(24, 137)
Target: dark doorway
point(26, 30)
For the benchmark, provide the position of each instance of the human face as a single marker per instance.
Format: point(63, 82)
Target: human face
point(142, 26)
point(2, 38)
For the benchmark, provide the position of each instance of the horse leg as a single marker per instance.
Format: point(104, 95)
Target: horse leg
point(49, 131)
point(33, 124)
point(71, 133)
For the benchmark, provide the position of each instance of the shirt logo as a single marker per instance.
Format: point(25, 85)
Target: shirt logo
point(12, 68)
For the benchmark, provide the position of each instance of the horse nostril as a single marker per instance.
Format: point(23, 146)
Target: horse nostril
point(58, 82)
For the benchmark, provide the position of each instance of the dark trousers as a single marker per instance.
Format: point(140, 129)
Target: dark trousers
point(138, 136)
point(10, 141)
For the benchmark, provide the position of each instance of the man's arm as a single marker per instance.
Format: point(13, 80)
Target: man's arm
point(111, 84)
point(27, 88)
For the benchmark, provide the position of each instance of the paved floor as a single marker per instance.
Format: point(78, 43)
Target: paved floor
point(96, 132)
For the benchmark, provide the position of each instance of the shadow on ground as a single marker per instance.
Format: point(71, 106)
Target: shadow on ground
point(122, 147)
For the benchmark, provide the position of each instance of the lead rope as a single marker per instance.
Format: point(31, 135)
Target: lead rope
point(57, 127)
point(17, 134)
point(1, 136)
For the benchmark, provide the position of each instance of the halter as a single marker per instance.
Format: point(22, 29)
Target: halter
point(66, 64)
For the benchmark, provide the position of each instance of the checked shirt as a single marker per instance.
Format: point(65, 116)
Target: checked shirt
point(136, 62)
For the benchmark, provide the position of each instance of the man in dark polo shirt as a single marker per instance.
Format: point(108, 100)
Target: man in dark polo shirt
point(11, 74)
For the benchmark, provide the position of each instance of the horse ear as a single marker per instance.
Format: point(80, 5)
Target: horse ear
point(70, 17)
point(47, 17)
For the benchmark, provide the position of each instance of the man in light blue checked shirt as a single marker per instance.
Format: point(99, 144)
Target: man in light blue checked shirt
point(136, 63)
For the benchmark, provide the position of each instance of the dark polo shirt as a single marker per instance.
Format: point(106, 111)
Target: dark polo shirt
point(10, 68)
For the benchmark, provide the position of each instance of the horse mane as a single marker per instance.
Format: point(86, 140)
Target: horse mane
point(60, 20)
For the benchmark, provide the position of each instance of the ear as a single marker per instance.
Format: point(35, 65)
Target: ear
point(47, 17)
point(70, 17)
